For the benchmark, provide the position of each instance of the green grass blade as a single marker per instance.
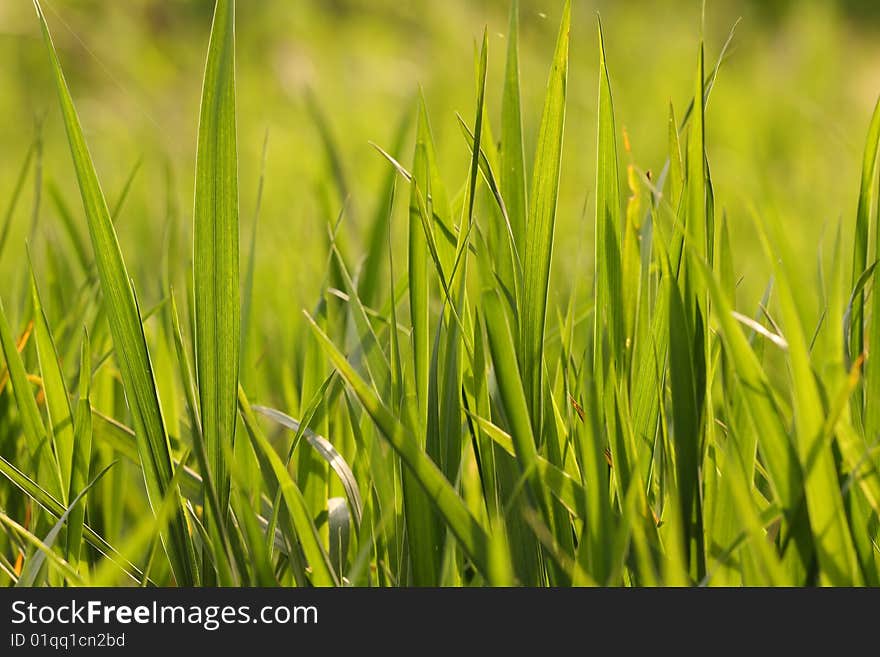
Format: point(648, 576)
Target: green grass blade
point(696, 226)
point(419, 286)
point(686, 432)
point(538, 246)
point(510, 383)
point(608, 277)
point(513, 169)
point(491, 180)
point(126, 188)
point(676, 166)
point(125, 326)
point(215, 259)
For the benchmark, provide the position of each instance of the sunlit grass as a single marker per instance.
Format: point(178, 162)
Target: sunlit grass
point(461, 422)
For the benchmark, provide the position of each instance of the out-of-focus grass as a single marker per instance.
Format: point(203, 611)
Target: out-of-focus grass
point(784, 124)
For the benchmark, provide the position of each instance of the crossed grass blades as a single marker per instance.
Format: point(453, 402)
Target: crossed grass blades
point(457, 425)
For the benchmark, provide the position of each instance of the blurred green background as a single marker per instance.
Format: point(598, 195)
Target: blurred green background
point(786, 120)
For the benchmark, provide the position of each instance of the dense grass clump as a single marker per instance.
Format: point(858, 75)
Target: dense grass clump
point(459, 424)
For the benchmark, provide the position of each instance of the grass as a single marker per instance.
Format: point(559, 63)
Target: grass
point(461, 422)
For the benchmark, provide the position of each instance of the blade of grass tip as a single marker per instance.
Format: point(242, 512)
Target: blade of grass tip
point(126, 188)
point(82, 451)
point(513, 170)
point(60, 427)
point(447, 392)
point(215, 256)
point(424, 215)
point(48, 473)
point(16, 194)
point(476, 148)
point(608, 275)
point(867, 199)
point(540, 226)
point(467, 529)
point(123, 316)
point(492, 182)
point(696, 227)
point(369, 285)
point(322, 571)
point(32, 567)
point(709, 82)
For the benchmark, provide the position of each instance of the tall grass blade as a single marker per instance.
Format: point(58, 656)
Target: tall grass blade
point(215, 258)
point(538, 246)
point(513, 170)
point(608, 314)
point(125, 326)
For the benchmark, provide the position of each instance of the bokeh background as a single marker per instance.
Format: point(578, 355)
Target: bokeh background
point(786, 120)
